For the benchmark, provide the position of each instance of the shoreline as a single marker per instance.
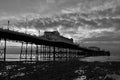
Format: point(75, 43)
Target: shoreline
point(60, 70)
point(82, 58)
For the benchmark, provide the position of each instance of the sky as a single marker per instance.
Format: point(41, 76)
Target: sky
point(99, 19)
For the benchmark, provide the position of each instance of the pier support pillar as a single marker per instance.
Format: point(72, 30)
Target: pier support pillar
point(5, 50)
point(21, 51)
point(26, 52)
point(31, 53)
point(54, 52)
point(49, 52)
point(37, 53)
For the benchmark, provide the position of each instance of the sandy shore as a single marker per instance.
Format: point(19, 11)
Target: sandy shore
point(68, 70)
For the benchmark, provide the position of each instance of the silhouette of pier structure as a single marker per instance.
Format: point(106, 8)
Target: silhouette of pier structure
point(34, 48)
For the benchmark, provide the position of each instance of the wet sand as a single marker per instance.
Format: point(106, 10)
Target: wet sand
point(61, 70)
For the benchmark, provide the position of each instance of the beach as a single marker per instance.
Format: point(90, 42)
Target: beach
point(74, 69)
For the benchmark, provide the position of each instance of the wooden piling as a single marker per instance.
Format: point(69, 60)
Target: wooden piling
point(54, 52)
point(26, 51)
point(5, 50)
point(31, 53)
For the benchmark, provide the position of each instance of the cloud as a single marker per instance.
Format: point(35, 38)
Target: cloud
point(80, 19)
point(85, 33)
point(92, 5)
point(113, 36)
point(92, 22)
point(83, 26)
point(50, 1)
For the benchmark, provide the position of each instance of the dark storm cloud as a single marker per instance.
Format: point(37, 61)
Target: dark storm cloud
point(104, 38)
point(79, 19)
point(26, 7)
point(94, 22)
point(104, 22)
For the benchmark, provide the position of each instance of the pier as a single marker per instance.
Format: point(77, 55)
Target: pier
point(36, 54)
point(33, 48)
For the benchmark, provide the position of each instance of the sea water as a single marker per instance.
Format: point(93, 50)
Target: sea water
point(100, 58)
point(16, 57)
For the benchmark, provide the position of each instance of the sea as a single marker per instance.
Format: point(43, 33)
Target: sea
point(16, 57)
point(13, 54)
